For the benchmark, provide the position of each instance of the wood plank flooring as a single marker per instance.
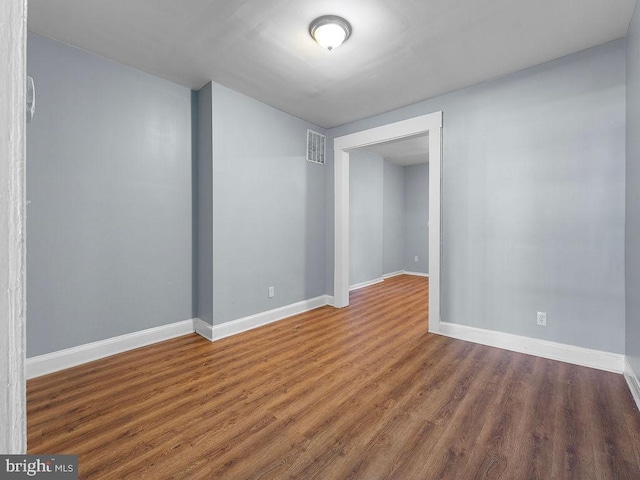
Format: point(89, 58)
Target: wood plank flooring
point(362, 392)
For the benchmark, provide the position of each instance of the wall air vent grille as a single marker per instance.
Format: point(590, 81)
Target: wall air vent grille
point(315, 147)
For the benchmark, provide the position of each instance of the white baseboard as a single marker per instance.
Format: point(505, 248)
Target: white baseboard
point(392, 274)
point(416, 274)
point(330, 300)
point(404, 272)
point(71, 357)
point(203, 329)
point(632, 380)
point(365, 284)
point(227, 329)
point(384, 277)
point(612, 362)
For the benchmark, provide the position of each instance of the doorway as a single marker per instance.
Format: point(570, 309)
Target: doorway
point(431, 125)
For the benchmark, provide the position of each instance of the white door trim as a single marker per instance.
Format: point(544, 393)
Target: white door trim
point(13, 56)
point(430, 124)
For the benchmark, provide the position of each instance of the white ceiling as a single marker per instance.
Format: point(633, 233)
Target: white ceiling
point(400, 52)
point(405, 152)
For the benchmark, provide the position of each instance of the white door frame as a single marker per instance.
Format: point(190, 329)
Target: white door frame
point(430, 124)
point(13, 58)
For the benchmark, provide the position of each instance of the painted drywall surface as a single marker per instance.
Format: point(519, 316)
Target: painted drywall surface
point(268, 209)
point(633, 194)
point(13, 419)
point(195, 210)
point(329, 234)
point(109, 226)
point(366, 170)
point(533, 199)
point(204, 207)
point(416, 237)
point(393, 217)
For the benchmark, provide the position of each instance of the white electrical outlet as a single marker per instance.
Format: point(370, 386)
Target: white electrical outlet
point(541, 319)
point(416, 258)
point(272, 292)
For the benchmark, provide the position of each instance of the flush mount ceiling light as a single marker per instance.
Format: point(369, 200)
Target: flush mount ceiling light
point(330, 31)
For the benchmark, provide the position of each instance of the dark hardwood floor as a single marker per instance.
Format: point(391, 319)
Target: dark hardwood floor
point(363, 392)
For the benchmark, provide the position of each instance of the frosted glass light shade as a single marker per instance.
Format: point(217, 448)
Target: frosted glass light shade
point(330, 31)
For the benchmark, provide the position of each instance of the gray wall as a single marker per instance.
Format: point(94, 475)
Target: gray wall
point(109, 226)
point(365, 216)
point(633, 194)
point(269, 209)
point(533, 199)
point(393, 218)
point(203, 207)
point(416, 236)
